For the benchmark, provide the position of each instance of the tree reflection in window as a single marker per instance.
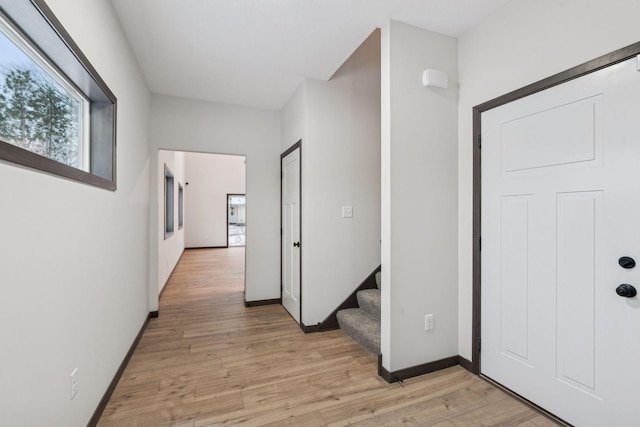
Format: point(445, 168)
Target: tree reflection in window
point(37, 112)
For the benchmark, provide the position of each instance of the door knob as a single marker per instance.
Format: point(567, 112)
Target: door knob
point(296, 244)
point(626, 290)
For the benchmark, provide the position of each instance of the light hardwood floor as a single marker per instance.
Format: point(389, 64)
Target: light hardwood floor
point(210, 361)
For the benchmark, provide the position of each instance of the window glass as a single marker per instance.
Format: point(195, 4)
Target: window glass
point(56, 114)
point(168, 203)
point(180, 206)
point(39, 110)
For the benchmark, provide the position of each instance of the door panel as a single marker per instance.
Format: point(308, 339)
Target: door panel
point(560, 205)
point(291, 233)
point(557, 136)
point(577, 227)
point(515, 271)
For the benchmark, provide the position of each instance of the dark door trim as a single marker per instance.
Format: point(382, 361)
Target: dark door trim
point(227, 208)
point(557, 79)
point(282, 156)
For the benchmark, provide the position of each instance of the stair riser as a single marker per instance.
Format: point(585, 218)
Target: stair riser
point(371, 309)
point(361, 327)
point(369, 301)
point(363, 324)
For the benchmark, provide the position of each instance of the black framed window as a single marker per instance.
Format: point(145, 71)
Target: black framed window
point(168, 203)
point(56, 113)
point(180, 207)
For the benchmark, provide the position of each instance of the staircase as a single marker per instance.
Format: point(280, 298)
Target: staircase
point(363, 323)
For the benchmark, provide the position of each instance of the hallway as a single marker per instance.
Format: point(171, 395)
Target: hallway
point(208, 361)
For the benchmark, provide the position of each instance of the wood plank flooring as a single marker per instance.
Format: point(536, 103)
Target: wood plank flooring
point(210, 361)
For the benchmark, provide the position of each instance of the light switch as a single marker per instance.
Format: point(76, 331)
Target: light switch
point(347, 212)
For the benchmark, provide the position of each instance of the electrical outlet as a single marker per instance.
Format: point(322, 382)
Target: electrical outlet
point(428, 322)
point(347, 212)
point(74, 383)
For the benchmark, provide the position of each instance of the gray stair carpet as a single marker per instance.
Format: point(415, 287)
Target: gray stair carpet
point(363, 324)
point(369, 301)
point(361, 327)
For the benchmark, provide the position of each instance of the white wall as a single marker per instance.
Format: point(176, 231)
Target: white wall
point(385, 192)
point(211, 177)
point(293, 119)
point(339, 124)
point(74, 258)
point(519, 44)
point(189, 125)
point(169, 249)
point(420, 198)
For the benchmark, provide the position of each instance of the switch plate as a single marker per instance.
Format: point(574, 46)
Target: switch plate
point(428, 322)
point(347, 212)
point(74, 383)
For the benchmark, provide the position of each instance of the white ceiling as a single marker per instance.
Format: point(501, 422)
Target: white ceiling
point(257, 52)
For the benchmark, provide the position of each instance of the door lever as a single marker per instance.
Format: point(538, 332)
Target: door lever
point(296, 244)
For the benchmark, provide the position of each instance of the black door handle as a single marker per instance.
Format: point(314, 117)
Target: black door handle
point(626, 290)
point(296, 244)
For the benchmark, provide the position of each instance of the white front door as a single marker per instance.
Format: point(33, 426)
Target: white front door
point(291, 233)
point(560, 207)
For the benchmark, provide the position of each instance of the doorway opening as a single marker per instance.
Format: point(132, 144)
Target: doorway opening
point(193, 212)
point(236, 219)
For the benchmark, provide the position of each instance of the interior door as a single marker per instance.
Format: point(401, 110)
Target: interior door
point(291, 233)
point(560, 207)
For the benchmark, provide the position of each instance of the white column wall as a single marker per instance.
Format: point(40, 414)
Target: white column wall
point(385, 194)
point(420, 198)
point(293, 119)
point(74, 258)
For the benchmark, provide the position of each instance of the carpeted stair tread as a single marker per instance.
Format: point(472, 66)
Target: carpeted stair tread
point(369, 301)
point(361, 327)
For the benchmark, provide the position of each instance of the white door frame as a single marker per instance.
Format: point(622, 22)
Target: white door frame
point(282, 156)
